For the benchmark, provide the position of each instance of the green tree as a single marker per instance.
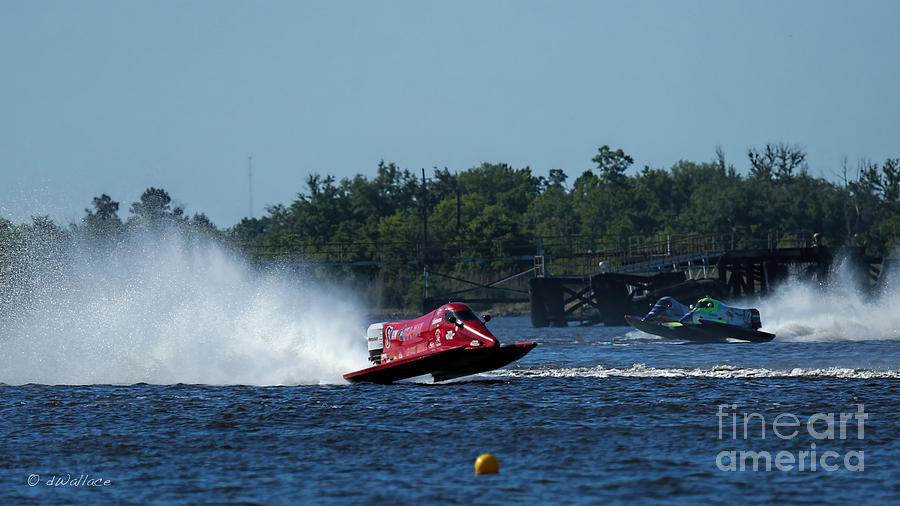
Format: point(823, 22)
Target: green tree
point(612, 164)
point(557, 179)
point(779, 160)
point(200, 223)
point(154, 207)
point(103, 222)
point(10, 244)
point(551, 213)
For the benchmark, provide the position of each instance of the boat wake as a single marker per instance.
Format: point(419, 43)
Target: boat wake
point(718, 371)
point(166, 309)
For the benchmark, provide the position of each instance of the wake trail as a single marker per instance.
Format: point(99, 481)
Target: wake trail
point(718, 371)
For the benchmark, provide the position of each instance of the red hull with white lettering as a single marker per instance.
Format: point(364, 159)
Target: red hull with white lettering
point(447, 343)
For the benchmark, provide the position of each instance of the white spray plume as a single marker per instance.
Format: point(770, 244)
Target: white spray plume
point(163, 309)
point(836, 312)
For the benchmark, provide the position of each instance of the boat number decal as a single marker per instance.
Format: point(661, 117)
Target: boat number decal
point(387, 337)
point(437, 335)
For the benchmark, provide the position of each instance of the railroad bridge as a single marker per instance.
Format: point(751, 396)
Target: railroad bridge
point(598, 279)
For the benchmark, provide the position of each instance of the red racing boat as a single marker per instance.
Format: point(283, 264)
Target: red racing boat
point(447, 343)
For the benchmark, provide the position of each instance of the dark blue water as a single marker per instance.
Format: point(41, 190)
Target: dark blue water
point(590, 415)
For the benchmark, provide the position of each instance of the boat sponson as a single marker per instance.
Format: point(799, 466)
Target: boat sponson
point(443, 365)
point(704, 332)
point(724, 330)
point(481, 360)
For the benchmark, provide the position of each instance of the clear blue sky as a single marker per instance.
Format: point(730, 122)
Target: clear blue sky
point(116, 96)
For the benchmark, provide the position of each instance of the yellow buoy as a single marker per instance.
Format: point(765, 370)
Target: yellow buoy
point(486, 464)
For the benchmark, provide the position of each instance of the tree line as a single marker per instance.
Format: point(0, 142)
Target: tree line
point(494, 201)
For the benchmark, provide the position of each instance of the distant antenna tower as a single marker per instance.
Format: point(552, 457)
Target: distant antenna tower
point(250, 182)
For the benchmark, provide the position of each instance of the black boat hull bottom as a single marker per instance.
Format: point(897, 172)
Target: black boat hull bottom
point(703, 332)
point(482, 360)
point(444, 365)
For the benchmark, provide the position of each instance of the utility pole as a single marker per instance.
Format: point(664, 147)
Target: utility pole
point(424, 251)
point(424, 210)
point(458, 207)
point(250, 182)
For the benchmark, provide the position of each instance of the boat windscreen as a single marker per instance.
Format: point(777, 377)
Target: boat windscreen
point(462, 316)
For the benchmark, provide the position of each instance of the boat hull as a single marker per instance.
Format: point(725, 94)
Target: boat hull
point(702, 332)
point(443, 365)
